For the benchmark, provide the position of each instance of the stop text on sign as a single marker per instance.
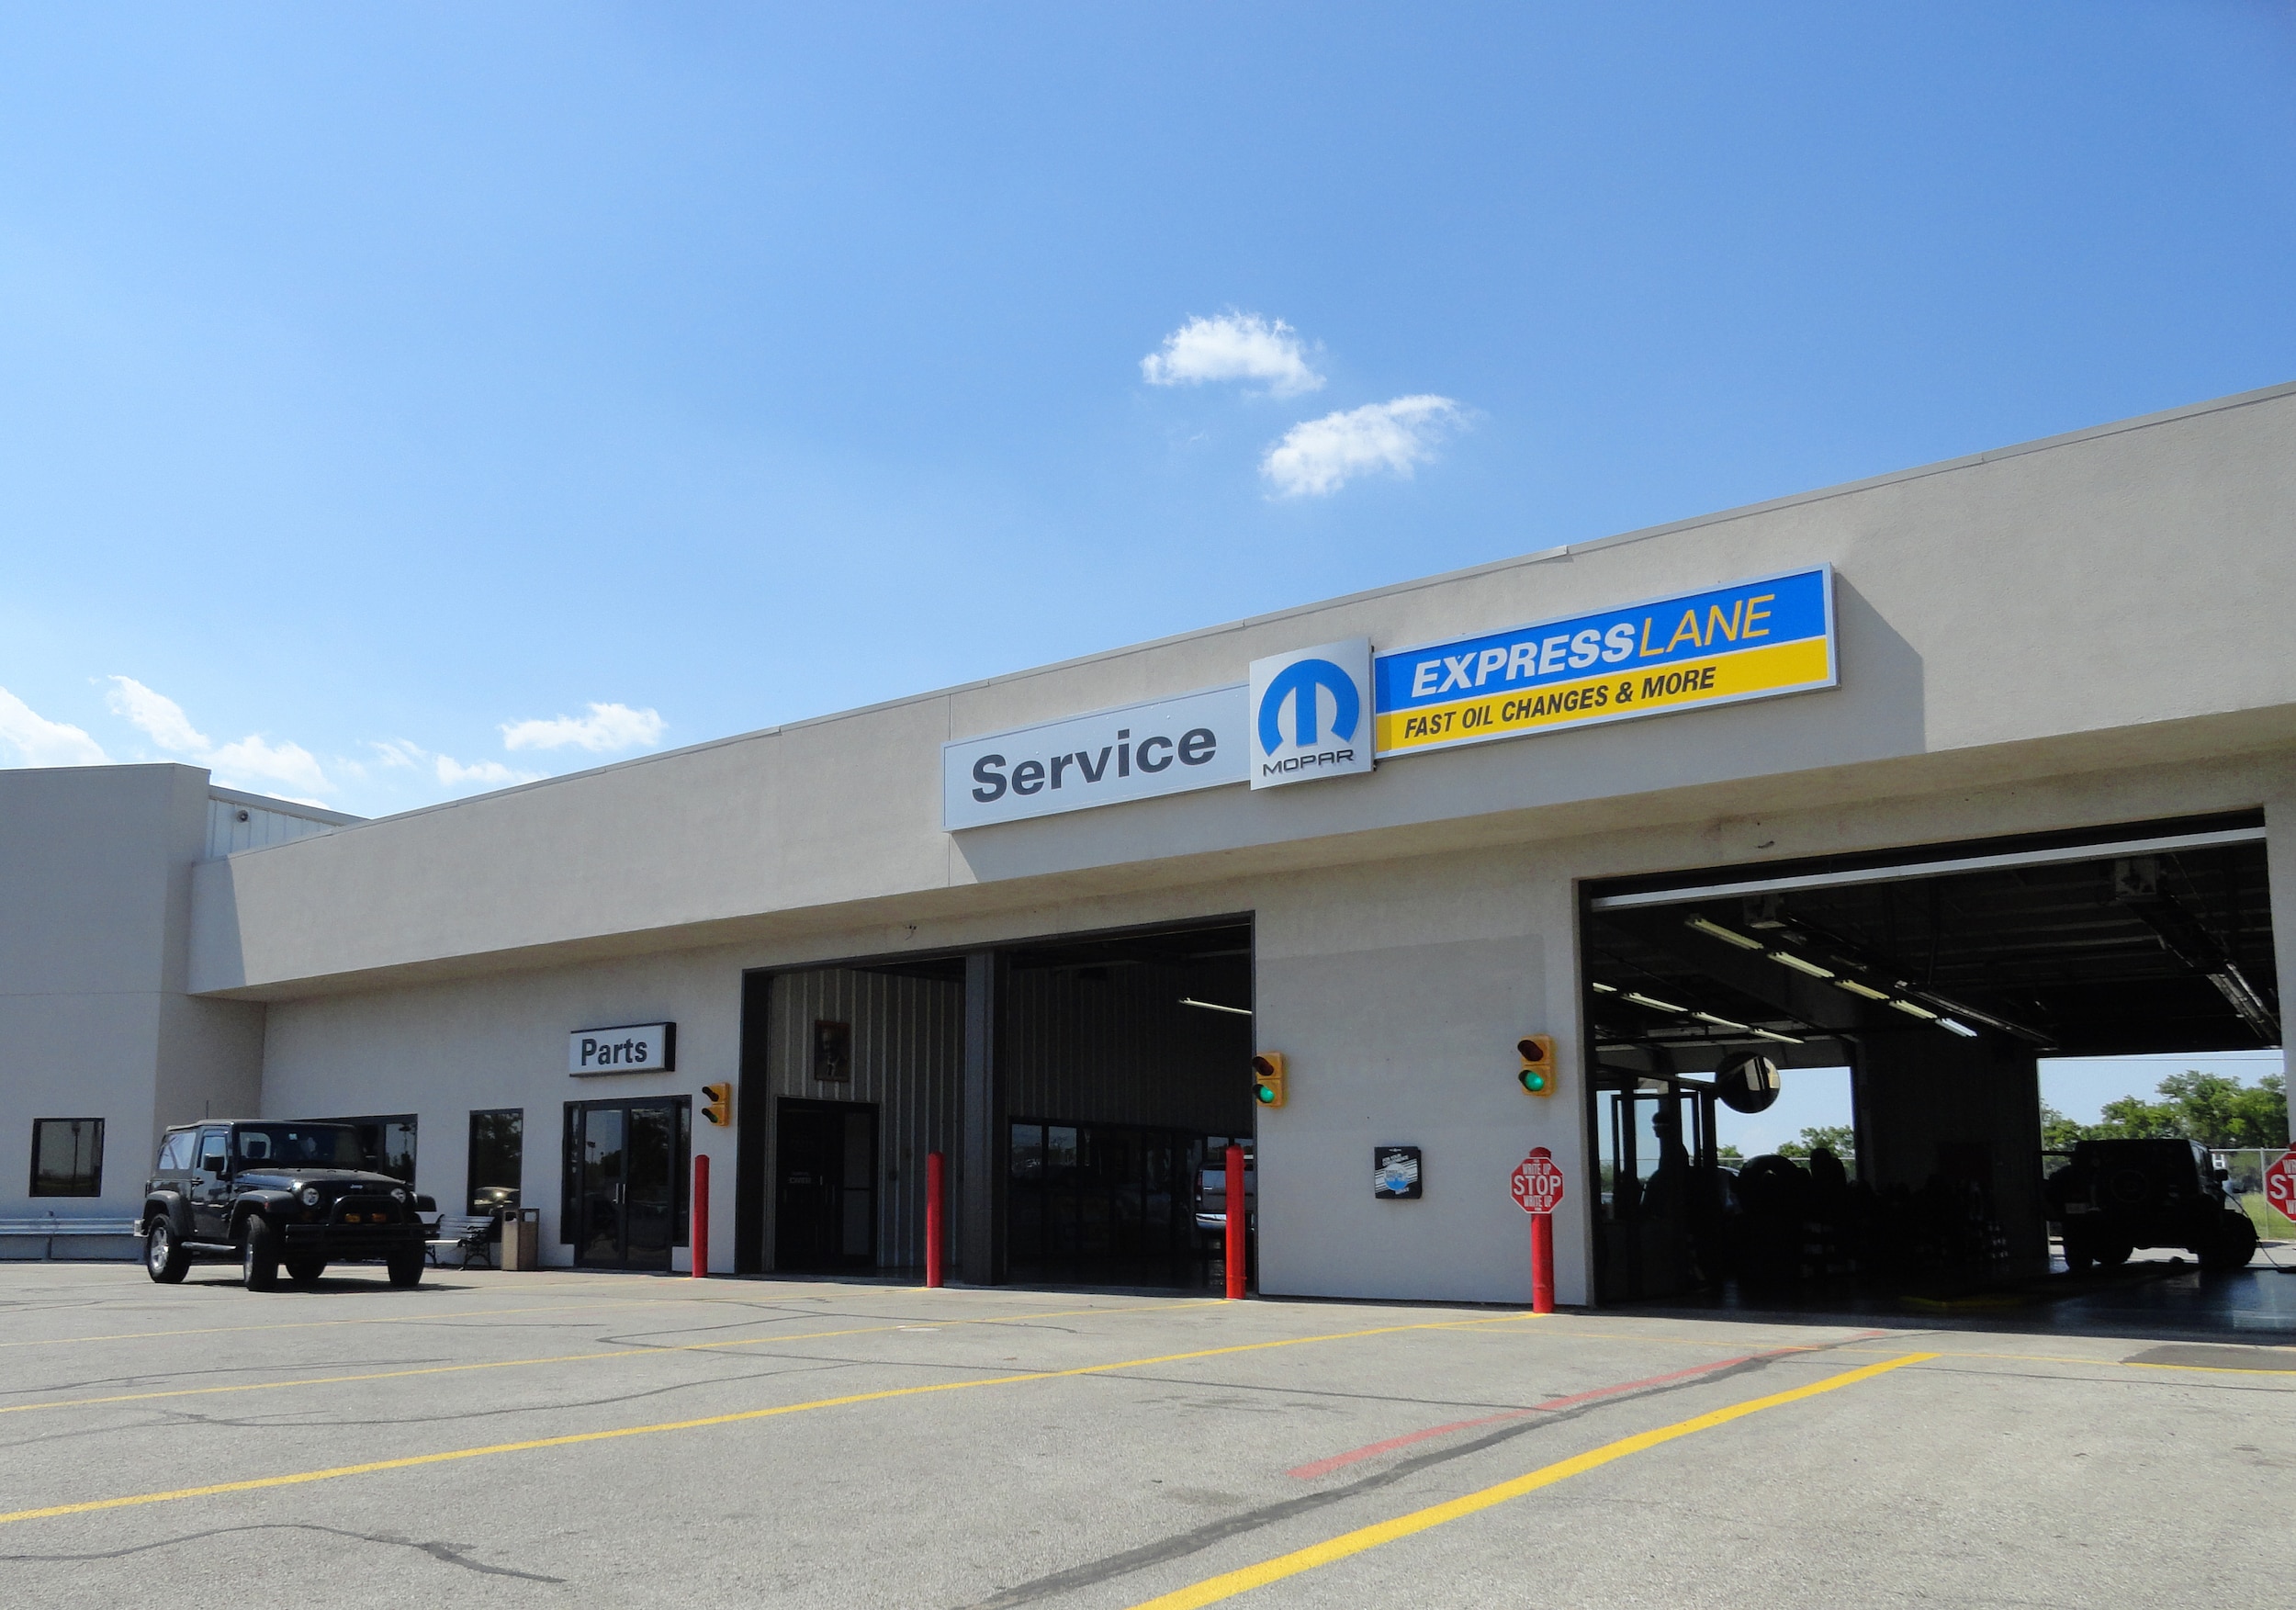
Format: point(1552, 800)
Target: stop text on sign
point(1536, 1183)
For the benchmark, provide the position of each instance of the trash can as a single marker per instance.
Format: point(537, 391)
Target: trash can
point(521, 1238)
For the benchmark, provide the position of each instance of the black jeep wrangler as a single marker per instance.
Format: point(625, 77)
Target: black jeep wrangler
point(2116, 1195)
point(268, 1193)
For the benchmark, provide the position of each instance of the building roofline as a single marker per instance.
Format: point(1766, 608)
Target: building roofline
point(1396, 588)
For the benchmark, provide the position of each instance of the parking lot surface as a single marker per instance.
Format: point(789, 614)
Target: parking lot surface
point(561, 1438)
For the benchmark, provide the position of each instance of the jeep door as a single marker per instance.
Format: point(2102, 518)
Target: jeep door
point(211, 1185)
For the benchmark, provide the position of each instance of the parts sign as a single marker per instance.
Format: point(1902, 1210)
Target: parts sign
point(1536, 1182)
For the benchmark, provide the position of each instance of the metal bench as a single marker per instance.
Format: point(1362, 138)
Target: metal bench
point(468, 1236)
point(52, 1225)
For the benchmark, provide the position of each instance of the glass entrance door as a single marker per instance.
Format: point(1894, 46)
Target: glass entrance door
point(825, 1211)
point(1662, 1190)
point(626, 1170)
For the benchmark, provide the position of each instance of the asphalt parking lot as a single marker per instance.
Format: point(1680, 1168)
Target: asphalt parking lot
point(557, 1438)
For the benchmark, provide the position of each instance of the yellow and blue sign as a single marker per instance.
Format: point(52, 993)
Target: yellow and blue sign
point(1755, 640)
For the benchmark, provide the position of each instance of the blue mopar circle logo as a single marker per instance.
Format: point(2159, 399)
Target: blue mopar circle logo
point(1299, 684)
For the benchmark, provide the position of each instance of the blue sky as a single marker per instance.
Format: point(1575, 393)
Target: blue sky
point(396, 399)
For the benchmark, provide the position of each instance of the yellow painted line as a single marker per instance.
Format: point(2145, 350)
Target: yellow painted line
point(325, 1381)
point(2097, 1362)
point(1230, 1584)
point(573, 1438)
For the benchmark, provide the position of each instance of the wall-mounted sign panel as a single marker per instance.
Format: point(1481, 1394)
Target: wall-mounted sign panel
point(1312, 714)
point(1755, 640)
point(1167, 745)
point(627, 1048)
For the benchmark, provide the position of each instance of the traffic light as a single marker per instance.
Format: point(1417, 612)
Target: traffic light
point(1267, 1077)
point(720, 1109)
point(1537, 1052)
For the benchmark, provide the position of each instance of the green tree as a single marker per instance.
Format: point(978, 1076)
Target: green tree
point(2194, 1106)
point(1837, 1138)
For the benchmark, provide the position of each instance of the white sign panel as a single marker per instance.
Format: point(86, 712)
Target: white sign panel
point(628, 1048)
point(1312, 714)
point(1167, 745)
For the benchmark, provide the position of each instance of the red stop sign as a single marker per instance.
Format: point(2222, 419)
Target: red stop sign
point(2279, 1184)
point(1536, 1182)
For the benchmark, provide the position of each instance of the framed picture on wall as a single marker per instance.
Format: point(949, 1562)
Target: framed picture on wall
point(832, 1050)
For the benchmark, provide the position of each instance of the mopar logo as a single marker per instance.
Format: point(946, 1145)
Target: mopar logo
point(1298, 684)
point(1308, 713)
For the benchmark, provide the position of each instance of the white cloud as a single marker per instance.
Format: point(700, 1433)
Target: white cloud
point(41, 742)
point(1234, 346)
point(606, 728)
point(158, 717)
point(452, 773)
point(258, 764)
point(397, 751)
point(253, 763)
point(1317, 457)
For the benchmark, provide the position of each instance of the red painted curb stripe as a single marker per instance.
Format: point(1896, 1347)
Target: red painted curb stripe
point(1325, 1467)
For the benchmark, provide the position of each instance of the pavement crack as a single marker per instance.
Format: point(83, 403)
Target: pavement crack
point(1197, 1538)
point(444, 1552)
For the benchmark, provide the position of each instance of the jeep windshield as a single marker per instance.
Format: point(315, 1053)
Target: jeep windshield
point(304, 1146)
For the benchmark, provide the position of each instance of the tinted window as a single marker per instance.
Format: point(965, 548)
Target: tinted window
point(176, 1152)
point(498, 1157)
point(320, 1145)
point(68, 1157)
point(211, 1149)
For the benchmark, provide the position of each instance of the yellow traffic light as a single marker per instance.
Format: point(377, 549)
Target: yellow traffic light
point(720, 1109)
point(1267, 1078)
point(1537, 1052)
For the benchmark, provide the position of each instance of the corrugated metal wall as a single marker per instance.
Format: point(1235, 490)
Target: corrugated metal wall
point(226, 833)
point(1113, 1045)
point(908, 1051)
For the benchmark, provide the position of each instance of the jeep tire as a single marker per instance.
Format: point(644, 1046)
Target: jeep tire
point(259, 1253)
point(164, 1258)
point(406, 1268)
point(2110, 1253)
point(303, 1271)
point(2233, 1246)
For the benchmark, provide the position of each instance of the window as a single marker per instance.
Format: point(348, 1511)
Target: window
point(176, 1152)
point(67, 1156)
point(497, 1158)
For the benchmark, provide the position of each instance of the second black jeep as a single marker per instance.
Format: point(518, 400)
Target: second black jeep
point(268, 1193)
point(2116, 1195)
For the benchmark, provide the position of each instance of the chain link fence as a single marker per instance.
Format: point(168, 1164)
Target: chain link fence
point(2243, 1172)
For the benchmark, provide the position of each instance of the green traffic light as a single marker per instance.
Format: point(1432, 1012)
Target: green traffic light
point(1262, 1095)
point(1534, 1081)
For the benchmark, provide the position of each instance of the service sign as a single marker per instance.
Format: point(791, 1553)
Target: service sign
point(627, 1048)
point(1756, 640)
point(1312, 714)
point(1167, 745)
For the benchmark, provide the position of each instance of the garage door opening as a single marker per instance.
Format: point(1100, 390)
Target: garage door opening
point(1082, 1089)
point(1902, 1008)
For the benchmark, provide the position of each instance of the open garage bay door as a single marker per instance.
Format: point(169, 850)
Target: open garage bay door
point(1939, 979)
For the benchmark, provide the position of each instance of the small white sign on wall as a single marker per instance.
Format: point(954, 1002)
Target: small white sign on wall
point(628, 1048)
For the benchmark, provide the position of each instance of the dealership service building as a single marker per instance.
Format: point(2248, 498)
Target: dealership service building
point(1926, 776)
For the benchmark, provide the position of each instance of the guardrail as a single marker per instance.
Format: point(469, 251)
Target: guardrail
point(49, 1226)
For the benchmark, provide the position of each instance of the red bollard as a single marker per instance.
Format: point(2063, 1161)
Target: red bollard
point(1237, 1216)
point(935, 1236)
point(1542, 1263)
point(701, 1217)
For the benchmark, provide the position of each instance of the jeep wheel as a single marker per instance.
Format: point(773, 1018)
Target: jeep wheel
point(259, 1253)
point(406, 1270)
point(2078, 1259)
point(303, 1271)
point(163, 1259)
point(2111, 1255)
point(2232, 1246)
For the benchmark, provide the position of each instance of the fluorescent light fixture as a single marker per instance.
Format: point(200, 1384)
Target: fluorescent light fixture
point(1854, 987)
point(1216, 1006)
point(1911, 1011)
point(1786, 959)
point(1729, 938)
point(1963, 1029)
point(1602, 988)
point(1717, 1022)
point(1781, 1039)
point(1655, 1006)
